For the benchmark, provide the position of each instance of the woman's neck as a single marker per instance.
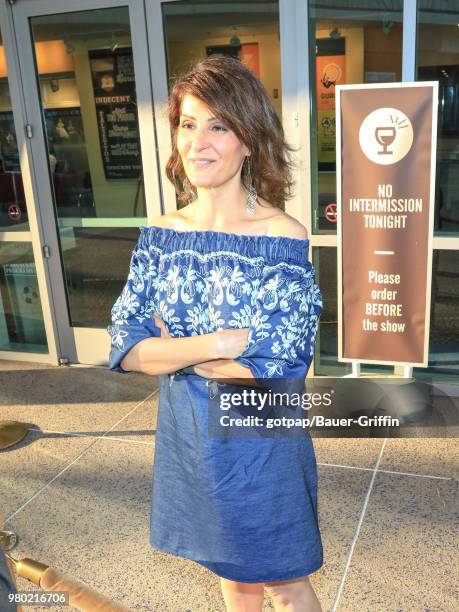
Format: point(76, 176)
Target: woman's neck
point(218, 207)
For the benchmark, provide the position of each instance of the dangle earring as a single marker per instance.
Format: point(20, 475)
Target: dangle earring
point(251, 191)
point(190, 192)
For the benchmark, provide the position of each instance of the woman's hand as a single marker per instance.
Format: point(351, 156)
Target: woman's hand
point(162, 326)
point(230, 343)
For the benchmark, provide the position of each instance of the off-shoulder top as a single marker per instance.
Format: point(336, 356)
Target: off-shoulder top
point(200, 281)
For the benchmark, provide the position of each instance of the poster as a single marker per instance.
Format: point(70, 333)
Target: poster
point(116, 110)
point(66, 142)
point(68, 160)
point(250, 56)
point(64, 126)
point(386, 149)
point(9, 154)
point(24, 304)
point(248, 53)
point(330, 72)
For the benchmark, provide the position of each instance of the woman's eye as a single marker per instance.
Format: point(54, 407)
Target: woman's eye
point(218, 128)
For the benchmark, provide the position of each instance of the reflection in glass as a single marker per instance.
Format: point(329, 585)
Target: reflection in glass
point(13, 210)
point(444, 317)
point(249, 31)
point(94, 281)
point(349, 43)
point(85, 73)
point(438, 60)
point(21, 315)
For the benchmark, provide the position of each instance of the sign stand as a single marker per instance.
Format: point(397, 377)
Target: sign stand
point(407, 370)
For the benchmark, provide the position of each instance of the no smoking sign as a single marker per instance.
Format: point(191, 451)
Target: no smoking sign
point(14, 212)
point(330, 212)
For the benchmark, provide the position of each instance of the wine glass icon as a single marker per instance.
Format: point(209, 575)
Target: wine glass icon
point(385, 136)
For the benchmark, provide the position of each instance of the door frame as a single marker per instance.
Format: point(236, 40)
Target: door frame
point(296, 101)
point(33, 236)
point(77, 344)
point(293, 95)
point(72, 345)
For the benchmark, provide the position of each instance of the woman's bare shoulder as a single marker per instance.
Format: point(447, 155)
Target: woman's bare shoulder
point(286, 225)
point(169, 220)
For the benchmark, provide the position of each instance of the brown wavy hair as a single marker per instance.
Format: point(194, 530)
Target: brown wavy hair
point(238, 99)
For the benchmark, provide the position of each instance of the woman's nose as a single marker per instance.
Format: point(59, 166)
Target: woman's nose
point(199, 139)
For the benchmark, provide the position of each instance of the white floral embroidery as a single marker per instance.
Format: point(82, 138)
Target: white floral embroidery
point(172, 321)
point(172, 283)
point(197, 293)
point(187, 292)
point(243, 318)
point(198, 319)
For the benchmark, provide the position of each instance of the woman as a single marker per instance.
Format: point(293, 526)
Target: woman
point(221, 289)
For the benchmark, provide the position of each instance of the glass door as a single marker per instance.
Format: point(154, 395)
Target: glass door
point(22, 324)
point(259, 33)
point(94, 76)
point(89, 108)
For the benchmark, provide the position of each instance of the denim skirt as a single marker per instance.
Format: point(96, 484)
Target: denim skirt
point(245, 508)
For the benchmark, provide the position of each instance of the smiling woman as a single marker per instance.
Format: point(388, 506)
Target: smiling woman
point(200, 131)
point(227, 104)
point(238, 303)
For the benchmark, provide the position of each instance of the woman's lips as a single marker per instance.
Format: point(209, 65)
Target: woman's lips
point(201, 163)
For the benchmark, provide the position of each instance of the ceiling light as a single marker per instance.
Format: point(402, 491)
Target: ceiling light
point(335, 33)
point(235, 41)
point(69, 47)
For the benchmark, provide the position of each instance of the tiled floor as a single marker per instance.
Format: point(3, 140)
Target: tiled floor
point(77, 492)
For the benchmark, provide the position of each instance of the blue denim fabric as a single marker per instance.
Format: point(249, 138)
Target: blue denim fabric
point(244, 508)
point(202, 281)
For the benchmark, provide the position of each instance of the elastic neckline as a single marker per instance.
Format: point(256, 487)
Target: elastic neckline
point(217, 233)
point(271, 249)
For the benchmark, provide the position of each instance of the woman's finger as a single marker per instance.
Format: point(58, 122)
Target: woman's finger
point(158, 322)
point(162, 326)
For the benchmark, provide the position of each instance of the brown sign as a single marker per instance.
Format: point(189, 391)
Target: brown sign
point(386, 143)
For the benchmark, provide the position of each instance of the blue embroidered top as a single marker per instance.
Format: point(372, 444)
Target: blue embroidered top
point(215, 498)
point(201, 281)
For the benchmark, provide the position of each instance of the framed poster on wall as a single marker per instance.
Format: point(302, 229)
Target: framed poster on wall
point(21, 299)
point(248, 53)
point(250, 56)
point(116, 110)
point(68, 161)
point(9, 154)
point(330, 71)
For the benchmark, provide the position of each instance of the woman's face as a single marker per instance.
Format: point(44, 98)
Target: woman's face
point(211, 153)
